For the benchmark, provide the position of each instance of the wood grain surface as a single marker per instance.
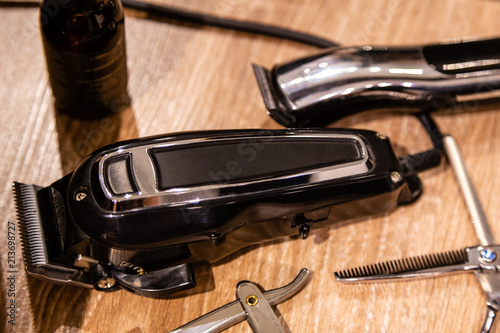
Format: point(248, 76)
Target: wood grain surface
point(184, 78)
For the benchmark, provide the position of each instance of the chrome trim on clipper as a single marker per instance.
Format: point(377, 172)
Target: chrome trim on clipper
point(148, 193)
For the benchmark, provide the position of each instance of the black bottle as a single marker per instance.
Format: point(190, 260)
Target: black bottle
point(84, 42)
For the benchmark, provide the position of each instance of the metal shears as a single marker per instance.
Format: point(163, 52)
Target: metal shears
point(482, 259)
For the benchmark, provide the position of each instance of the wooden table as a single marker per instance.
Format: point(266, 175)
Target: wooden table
point(184, 78)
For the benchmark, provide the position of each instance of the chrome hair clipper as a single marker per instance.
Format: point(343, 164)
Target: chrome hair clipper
point(321, 88)
point(139, 214)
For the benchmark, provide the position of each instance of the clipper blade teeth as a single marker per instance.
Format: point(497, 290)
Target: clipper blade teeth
point(406, 265)
point(29, 224)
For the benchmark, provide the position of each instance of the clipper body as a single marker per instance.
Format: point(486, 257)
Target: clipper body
point(321, 88)
point(139, 214)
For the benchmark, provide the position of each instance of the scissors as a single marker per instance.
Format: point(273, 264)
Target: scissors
point(481, 259)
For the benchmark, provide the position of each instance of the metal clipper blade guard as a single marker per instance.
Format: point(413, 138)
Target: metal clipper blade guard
point(341, 81)
point(139, 214)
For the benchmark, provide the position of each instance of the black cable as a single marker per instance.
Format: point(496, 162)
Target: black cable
point(415, 163)
point(227, 23)
point(208, 20)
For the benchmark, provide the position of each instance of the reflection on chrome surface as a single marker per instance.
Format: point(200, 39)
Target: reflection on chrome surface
point(367, 77)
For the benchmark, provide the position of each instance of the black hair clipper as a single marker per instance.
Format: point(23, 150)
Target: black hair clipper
point(321, 88)
point(139, 214)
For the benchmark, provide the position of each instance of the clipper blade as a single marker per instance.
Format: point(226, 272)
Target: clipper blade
point(403, 268)
point(29, 223)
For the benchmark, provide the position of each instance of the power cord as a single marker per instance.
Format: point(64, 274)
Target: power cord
point(204, 19)
point(227, 23)
point(415, 163)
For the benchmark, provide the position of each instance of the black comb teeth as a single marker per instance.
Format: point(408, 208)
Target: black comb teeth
point(407, 265)
point(30, 230)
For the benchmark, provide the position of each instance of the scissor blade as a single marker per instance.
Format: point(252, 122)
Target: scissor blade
point(479, 220)
point(414, 267)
